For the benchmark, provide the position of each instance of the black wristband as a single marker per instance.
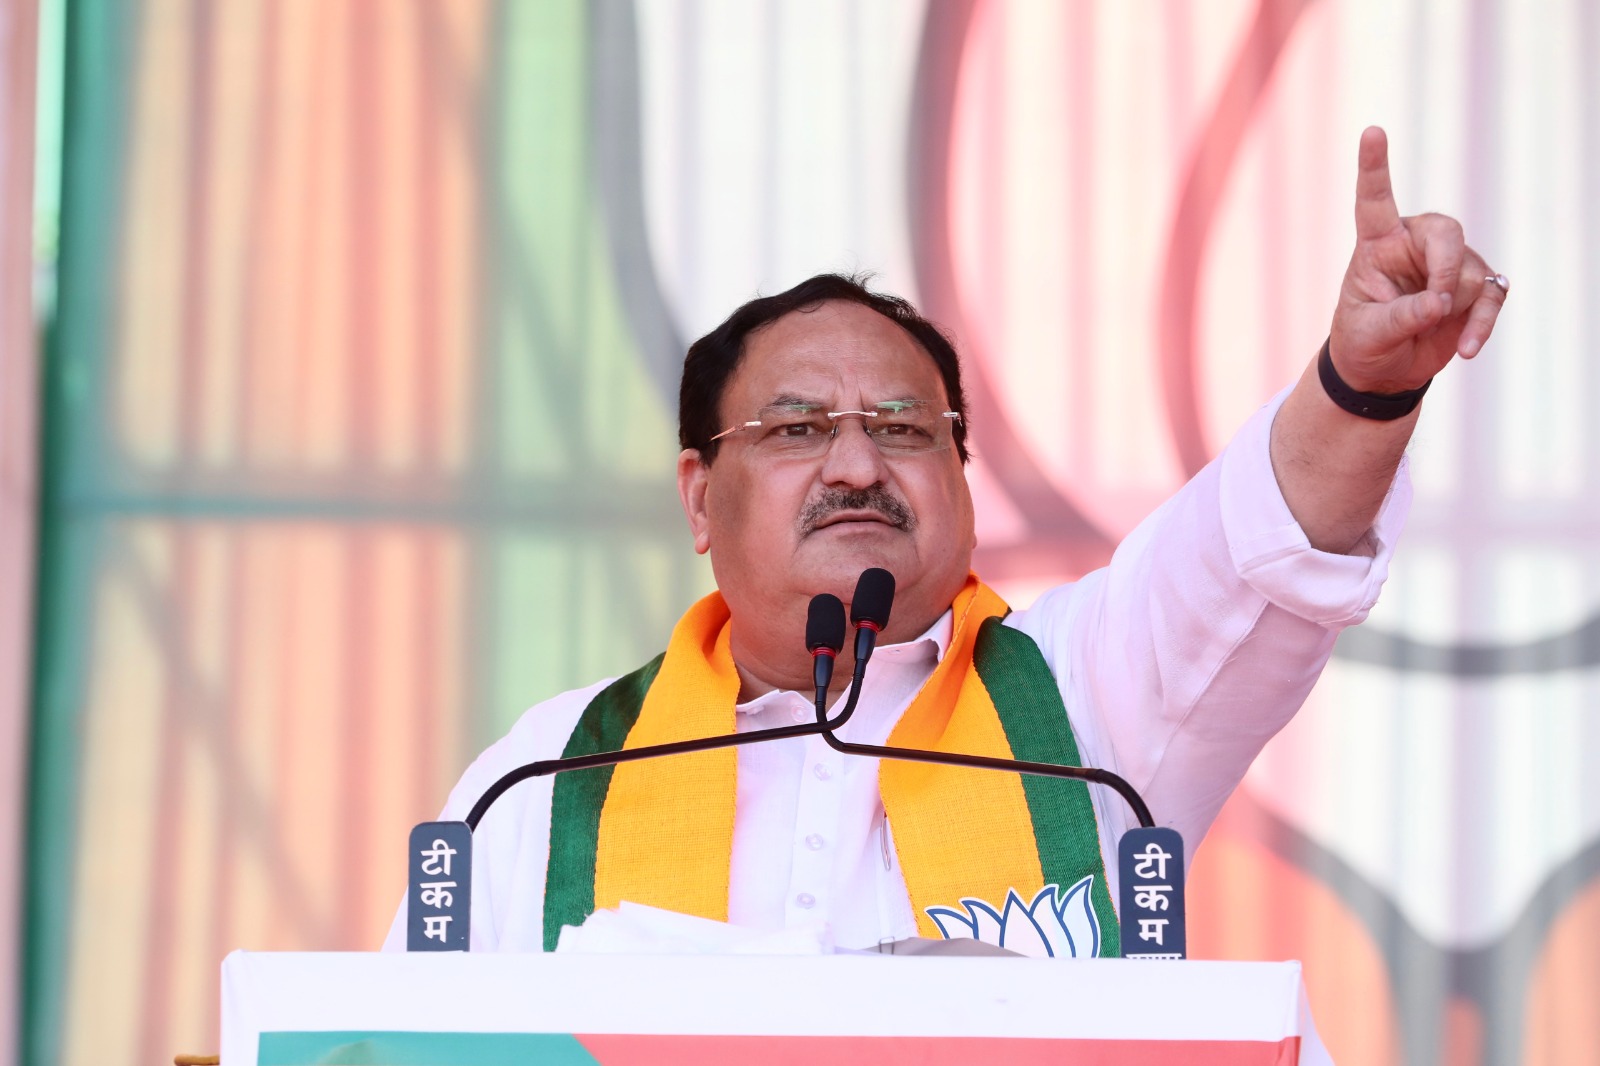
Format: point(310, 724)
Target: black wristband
point(1383, 408)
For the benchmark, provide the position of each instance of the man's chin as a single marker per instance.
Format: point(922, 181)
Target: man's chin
point(858, 545)
point(835, 560)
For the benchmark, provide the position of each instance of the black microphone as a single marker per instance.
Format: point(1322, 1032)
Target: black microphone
point(869, 611)
point(824, 640)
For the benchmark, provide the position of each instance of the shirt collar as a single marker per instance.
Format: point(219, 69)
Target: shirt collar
point(933, 643)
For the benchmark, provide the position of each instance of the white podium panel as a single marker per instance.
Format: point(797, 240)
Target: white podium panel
point(444, 1009)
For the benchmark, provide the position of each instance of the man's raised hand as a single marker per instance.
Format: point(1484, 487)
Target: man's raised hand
point(1414, 295)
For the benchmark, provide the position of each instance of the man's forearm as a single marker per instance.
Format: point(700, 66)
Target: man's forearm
point(1333, 467)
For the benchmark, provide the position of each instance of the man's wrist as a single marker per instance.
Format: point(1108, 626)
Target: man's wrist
point(1380, 407)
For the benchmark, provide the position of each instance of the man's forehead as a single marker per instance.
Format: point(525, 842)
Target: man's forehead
point(834, 348)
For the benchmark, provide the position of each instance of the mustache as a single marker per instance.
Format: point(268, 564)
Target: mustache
point(873, 498)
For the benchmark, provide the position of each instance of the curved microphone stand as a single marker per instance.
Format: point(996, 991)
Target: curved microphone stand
point(825, 631)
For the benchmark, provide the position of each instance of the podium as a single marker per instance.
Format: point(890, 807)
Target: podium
point(446, 1009)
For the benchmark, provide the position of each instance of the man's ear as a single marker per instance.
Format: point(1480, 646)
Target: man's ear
point(693, 477)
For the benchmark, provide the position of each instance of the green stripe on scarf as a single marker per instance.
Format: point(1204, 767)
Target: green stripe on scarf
point(1035, 721)
point(579, 796)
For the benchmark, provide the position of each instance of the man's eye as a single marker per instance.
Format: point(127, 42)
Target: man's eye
point(795, 429)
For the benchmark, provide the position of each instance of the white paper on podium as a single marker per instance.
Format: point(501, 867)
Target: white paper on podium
point(635, 929)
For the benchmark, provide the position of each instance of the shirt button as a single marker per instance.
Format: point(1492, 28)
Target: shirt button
point(806, 900)
point(815, 842)
point(799, 714)
point(822, 772)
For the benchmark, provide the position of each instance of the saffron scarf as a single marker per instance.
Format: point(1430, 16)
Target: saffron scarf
point(660, 831)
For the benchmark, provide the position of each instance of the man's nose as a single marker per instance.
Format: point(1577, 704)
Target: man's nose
point(852, 457)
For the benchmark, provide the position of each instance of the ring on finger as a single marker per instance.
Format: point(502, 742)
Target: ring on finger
point(1500, 280)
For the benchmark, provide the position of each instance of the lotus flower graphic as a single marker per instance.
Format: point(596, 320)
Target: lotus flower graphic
point(1054, 925)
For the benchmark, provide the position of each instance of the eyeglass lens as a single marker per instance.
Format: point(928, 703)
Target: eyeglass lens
point(895, 427)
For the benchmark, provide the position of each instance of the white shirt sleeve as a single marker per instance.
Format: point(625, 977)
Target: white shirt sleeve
point(1204, 635)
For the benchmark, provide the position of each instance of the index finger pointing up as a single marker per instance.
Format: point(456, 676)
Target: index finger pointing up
point(1376, 213)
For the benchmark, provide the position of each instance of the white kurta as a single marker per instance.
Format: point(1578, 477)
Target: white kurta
point(1176, 663)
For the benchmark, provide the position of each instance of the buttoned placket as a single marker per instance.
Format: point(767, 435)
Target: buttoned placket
point(817, 816)
point(834, 802)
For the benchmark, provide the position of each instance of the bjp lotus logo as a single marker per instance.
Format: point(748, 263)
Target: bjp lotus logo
point(1053, 926)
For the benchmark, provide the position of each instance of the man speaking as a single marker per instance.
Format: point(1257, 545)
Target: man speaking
point(824, 432)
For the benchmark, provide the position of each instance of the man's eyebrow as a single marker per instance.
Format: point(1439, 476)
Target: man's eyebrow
point(791, 400)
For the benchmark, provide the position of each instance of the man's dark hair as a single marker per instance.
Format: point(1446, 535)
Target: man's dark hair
point(713, 358)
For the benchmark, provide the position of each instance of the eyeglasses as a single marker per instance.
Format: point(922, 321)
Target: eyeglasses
point(805, 430)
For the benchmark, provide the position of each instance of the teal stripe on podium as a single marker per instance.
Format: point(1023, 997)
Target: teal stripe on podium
point(358, 1048)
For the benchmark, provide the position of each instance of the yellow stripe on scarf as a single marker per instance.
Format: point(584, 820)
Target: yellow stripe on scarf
point(959, 832)
point(666, 830)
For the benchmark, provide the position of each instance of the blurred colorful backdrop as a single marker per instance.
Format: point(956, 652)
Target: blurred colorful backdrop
point(351, 415)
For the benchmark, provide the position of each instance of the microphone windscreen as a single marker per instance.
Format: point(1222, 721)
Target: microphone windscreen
point(825, 623)
point(874, 596)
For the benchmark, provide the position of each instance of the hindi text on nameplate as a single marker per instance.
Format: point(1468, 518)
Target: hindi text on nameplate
point(439, 887)
point(1150, 872)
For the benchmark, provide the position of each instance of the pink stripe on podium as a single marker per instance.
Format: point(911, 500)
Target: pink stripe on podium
point(654, 1050)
